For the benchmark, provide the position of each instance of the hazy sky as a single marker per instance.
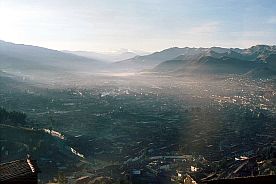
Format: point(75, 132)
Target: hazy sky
point(150, 25)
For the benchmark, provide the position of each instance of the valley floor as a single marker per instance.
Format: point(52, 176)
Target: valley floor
point(141, 127)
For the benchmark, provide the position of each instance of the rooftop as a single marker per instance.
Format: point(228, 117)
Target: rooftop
point(17, 169)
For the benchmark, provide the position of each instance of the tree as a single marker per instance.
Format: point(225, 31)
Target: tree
point(12, 117)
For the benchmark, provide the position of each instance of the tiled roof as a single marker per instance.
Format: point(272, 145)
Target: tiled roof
point(16, 169)
point(269, 179)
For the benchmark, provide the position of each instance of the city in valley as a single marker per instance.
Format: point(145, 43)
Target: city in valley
point(140, 126)
point(140, 92)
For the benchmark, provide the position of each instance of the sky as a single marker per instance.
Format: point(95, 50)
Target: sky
point(148, 25)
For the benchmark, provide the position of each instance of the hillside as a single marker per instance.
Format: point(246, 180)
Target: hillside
point(49, 151)
point(22, 58)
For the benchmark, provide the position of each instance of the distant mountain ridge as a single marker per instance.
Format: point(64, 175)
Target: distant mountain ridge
point(108, 56)
point(172, 58)
point(151, 60)
point(256, 61)
point(28, 57)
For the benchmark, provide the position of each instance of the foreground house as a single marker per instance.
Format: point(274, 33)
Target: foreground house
point(19, 171)
point(250, 180)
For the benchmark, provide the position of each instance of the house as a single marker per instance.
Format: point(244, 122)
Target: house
point(250, 180)
point(19, 171)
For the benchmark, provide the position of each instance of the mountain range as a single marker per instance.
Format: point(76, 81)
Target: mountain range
point(222, 61)
point(256, 61)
